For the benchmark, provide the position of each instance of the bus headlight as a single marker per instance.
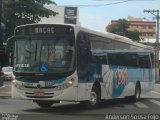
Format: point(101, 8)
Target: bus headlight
point(65, 85)
point(13, 81)
point(70, 82)
point(17, 85)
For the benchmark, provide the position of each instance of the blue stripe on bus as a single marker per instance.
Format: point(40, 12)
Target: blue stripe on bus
point(56, 81)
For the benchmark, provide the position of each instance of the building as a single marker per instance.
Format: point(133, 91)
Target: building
point(67, 15)
point(147, 29)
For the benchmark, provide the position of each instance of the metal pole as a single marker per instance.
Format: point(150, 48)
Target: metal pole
point(157, 42)
point(157, 39)
point(0, 11)
point(1, 22)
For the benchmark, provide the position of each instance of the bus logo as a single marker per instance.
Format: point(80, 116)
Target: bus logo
point(119, 81)
point(121, 77)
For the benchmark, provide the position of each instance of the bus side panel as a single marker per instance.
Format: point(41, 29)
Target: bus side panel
point(119, 81)
point(83, 91)
point(145, 80)
point(144, 76)
point(86, 78)
point(70, 94)
point(115, 80)
point(149, 78)
point(152, 79)
point(107, 84)
point(133, 75)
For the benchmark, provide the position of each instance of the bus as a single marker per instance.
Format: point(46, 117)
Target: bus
point(64, 62)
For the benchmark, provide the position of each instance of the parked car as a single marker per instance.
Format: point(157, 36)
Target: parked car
point(7, 73)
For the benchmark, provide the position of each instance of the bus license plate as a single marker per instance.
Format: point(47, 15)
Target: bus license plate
point(39, 94)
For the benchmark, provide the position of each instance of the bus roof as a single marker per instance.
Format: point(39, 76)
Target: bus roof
point(112, 36)
point(117, 38)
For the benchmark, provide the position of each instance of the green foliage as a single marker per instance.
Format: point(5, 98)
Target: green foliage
point(121, 28)
point(134, 35)
point(18, 12)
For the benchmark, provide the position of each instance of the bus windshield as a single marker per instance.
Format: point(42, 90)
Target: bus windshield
point(42, 54)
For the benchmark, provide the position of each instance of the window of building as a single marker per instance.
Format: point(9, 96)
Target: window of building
point(150, 27)
point(143, 27)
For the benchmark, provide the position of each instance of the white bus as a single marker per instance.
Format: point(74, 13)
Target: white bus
point(62, 62)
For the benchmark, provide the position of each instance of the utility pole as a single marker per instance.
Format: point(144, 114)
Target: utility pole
point(157, 41)
point(0, 10)
point(1, 22)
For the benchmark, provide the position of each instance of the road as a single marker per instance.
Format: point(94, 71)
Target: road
point(27, 110)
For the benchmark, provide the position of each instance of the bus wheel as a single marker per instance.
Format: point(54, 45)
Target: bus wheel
point(44, 104)
point(94, 98)
point(137, 92)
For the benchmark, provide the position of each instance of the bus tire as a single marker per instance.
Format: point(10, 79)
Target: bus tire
point(44, 104)
point(137, 94)
point(94, 99)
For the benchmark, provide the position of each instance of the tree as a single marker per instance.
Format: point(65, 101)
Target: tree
point(18, 12)
point(134, 35)
point(121, 28)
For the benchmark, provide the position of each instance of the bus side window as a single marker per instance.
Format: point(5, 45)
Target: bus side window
point(134, 62)
point(99, 59)
point(112, 59)
point(123, 59)
point(144, 61)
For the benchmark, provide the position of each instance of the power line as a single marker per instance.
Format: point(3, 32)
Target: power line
point(100, 5)
point(121, 0)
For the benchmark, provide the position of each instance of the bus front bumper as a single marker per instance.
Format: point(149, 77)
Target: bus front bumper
point(68, 94)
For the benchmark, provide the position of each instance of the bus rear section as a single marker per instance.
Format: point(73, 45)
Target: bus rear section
point(125, 73)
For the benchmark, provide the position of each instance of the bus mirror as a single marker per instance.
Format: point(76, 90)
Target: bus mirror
point(10, 44)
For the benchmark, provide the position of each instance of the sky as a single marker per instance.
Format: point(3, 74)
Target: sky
point(96, 14)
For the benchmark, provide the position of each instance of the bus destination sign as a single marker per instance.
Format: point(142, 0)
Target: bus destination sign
point(43, 29)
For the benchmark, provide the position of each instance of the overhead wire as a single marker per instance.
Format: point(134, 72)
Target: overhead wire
point(105, 4)
point(100, 5)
